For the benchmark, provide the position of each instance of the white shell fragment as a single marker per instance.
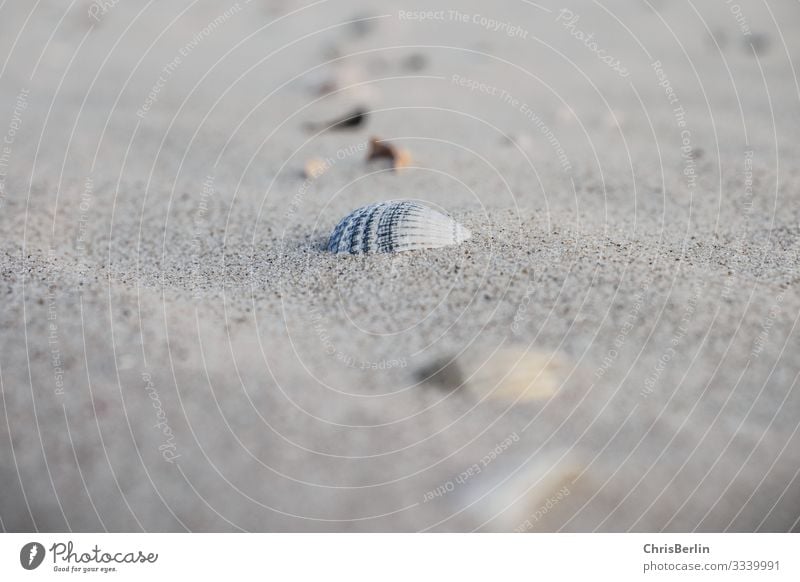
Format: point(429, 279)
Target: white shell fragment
point(395, 226)
point(517, 374)
point(541, 494)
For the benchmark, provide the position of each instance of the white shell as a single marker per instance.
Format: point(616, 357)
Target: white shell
point(538, 494)
point(398, 225)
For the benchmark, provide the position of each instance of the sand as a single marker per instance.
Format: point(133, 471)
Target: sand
point(178, 352)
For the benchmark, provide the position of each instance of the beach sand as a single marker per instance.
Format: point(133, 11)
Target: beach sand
point(179, 352)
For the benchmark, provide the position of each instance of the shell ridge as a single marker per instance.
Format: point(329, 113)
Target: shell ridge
point(333, 242)
point(388, 222)
point(354, 231)
point(366, 241)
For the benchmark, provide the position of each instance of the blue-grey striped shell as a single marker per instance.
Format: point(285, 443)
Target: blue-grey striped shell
point(395, 226)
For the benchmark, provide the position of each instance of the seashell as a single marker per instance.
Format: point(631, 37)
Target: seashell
point(395, 226)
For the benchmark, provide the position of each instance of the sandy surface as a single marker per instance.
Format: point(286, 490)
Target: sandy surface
point(178, 352)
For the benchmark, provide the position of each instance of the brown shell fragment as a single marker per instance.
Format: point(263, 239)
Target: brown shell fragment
point(348, 122)
point(381, 150)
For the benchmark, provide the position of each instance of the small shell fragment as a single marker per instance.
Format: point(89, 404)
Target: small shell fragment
point(443, 372)
point(415, 62)
point(352, 120)
point(399, 157)
point(315, 167)
point(395, 226)
point(517, 374)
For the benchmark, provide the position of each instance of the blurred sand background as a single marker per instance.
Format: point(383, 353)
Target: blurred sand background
point(177, 352)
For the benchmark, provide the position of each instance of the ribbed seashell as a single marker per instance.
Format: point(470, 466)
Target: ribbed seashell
point(395, 226)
